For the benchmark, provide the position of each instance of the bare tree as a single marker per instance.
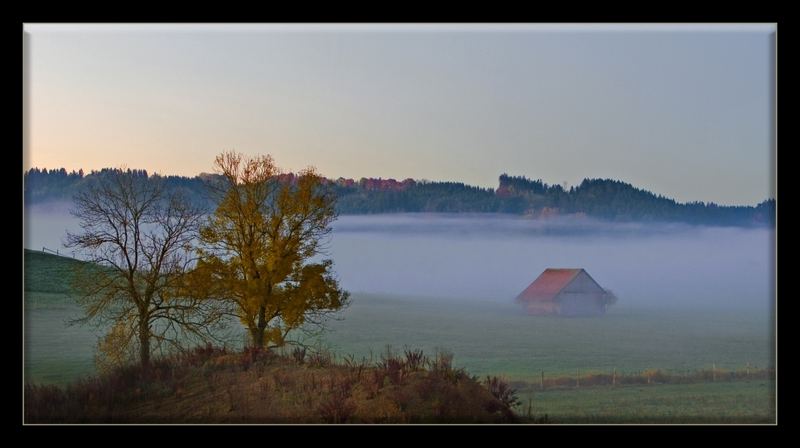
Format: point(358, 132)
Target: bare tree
point(139, 239)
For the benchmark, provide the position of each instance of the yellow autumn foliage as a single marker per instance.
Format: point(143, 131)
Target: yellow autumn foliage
point(256, 248)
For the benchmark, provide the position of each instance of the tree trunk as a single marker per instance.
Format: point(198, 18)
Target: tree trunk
point(257, 337)
point(257, 332)
point(144, 343)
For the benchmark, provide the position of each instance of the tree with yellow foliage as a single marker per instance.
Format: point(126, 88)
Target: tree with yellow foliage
point(259, 249)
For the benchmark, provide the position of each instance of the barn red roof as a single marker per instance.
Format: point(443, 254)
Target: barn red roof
point(548, 285)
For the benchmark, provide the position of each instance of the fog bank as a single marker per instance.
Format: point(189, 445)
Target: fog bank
point(493, 258)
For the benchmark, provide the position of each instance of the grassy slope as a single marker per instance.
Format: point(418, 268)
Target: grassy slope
point(48, 273)
point(61, 352)
point(209, 386)
point(225, 387)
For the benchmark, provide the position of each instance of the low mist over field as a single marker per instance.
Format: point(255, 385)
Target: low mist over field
point(494, 257)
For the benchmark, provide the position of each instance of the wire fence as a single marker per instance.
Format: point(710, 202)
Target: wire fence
point(614, 377)
point(56, 252)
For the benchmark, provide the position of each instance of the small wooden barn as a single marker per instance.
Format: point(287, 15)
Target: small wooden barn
point(565, 292)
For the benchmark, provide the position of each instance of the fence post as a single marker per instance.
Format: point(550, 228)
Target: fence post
point(530, 407)
point(614, 377)
point(713, 372)
point(748, 370)
point(541, 382)
point(577, 378)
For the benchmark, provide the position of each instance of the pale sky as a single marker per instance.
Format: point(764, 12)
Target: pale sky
point(681, 110)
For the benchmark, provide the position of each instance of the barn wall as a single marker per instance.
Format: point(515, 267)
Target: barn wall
point(542, 308)
point(581, 304)
point(581, 297)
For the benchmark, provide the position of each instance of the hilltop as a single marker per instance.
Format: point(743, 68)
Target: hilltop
point(49, 273)
point(210, 385)
point(605, 199)
point(216, 385)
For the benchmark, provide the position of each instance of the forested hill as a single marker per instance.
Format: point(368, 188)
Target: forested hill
point(597, 198)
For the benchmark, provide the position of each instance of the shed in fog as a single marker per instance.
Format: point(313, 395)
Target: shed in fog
point(565, 292)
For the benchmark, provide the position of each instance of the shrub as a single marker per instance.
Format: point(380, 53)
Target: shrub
point(393, 369)
point(443, 362)
point(500, 389)
point(415, 360)
point(338, 407)
point(420, 390)
point(320, 358)
point(299, 354)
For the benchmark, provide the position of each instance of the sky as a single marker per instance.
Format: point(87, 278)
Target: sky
point(685, 111)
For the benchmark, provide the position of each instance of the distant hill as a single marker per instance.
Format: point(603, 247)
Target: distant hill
point(604, 199)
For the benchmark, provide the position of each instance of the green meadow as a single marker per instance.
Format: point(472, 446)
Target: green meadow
point(490, 338)
point(734, 402)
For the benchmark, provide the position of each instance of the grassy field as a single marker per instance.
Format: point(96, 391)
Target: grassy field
point(488, 338)
point(734, 402)
point(485, 339)
point(56, 352)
